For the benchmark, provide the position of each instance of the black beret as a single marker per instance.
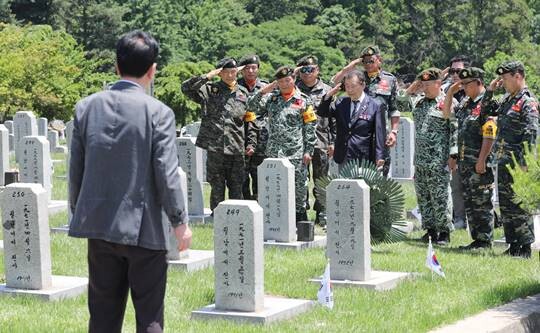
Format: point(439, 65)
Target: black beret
point(510, 67)
point(249, 59)
point(226, 63)
point(471, 73)
point(369, 51)
point(283, 71)
point(309, 60)
point(429, 74)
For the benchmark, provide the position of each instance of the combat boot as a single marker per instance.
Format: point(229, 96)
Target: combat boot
point(513, 250)
point(430, 233)
point(525, 251)
point(476, 244)
point(444, 238)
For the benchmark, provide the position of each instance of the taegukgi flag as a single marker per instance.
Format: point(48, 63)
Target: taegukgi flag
point(325, 294)
point(431, 261)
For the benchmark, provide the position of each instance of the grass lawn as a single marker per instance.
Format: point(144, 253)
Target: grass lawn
point(474, 282)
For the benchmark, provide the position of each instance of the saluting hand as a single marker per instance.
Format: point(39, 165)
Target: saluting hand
point(414, 88)
point(269, 88)
point(454, 88)
point(335, 90)
point(495, 84)
point(210, 75)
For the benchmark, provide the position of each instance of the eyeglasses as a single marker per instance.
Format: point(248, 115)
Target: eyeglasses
point(368, 61)
point(307, 69)
point(454, 70)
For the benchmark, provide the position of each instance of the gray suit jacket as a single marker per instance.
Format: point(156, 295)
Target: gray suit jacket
point(123, 169)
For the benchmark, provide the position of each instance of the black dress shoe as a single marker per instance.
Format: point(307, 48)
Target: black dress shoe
point(430, 233)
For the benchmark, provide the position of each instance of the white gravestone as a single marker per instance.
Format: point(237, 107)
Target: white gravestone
point(349, 247)
point(189, 260)
point(27, 253)
point(190, 160)
point(239, 269)
point(24, 124)
point(9, 125)
point(54, 142)
point(349, 243)
point(35, 162)
point(42, 125)
point(4, 153)
point(192, 130)
point(276, 197)
point(402, 154)
point(238, 246)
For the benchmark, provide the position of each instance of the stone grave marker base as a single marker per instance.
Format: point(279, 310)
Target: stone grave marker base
point(379, 281)
point(60, 230)
point(275, 309)
point(196, 260)
point(318, 241)
point(62, 287)
point(57, 206)
point(202, 219)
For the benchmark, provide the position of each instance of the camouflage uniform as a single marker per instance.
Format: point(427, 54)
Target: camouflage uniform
point(326, 135)
point(518, 124)
point(222, 134)
point(291, 134)
point(252, 162)
point(473, 127)
point(384, 87)
point(436, 140)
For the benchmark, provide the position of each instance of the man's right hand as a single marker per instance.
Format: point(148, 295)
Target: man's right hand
point(269, 88)
point(334, 90)
point(183, 235)
point(454, 88)
point(495, 84)
point(414, 88)
point(210, 75)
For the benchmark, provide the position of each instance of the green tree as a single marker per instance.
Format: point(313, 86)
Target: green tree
point(264, 11)
point(168, 84)
point(44, 71)
point(340, 29)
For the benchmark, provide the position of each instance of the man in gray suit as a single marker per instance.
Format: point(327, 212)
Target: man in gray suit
point(123, 175)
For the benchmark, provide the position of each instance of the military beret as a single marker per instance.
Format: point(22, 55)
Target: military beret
point(429, 74)
point(510, 67)
point(283, 71)
point(249, 59)
point(369, 51)
point(471, 73)
point(309, 60)
point(226, 63)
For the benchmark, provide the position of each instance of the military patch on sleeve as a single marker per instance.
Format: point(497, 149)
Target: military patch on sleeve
point(309, 115)
point(489, 129)
point(249, 117)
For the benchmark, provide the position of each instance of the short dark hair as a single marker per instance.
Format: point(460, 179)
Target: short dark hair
point(355, 73)
point(136, 52)
point(461, 58)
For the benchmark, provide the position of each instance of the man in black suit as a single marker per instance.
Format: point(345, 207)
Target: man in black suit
point(360, 121)
point(123, 175)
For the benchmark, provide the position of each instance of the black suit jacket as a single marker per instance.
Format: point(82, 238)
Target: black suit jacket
point(363, 137)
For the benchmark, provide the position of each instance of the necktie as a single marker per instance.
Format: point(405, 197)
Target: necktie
point(354, 109)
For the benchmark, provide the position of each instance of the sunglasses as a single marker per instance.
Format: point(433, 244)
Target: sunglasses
point(454, 70)
point(307, 69)
point(368, 61)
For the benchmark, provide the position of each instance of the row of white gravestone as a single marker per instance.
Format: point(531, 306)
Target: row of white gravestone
point(402, 155)
point(27, 254)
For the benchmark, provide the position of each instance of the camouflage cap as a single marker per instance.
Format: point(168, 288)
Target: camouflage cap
point(283, 71)
point(429, 74)
point(369, 51)
point(226, 63)
point(471, 73)
point(510, 67)
point(249, 59)
point(309, 60)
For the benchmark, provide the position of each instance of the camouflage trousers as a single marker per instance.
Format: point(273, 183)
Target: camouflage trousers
point(319, 166)
point(249, 189)
point(300, 185)
point(223, 171)
point(477, 193)
point(433, 196)
point(517, 223)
